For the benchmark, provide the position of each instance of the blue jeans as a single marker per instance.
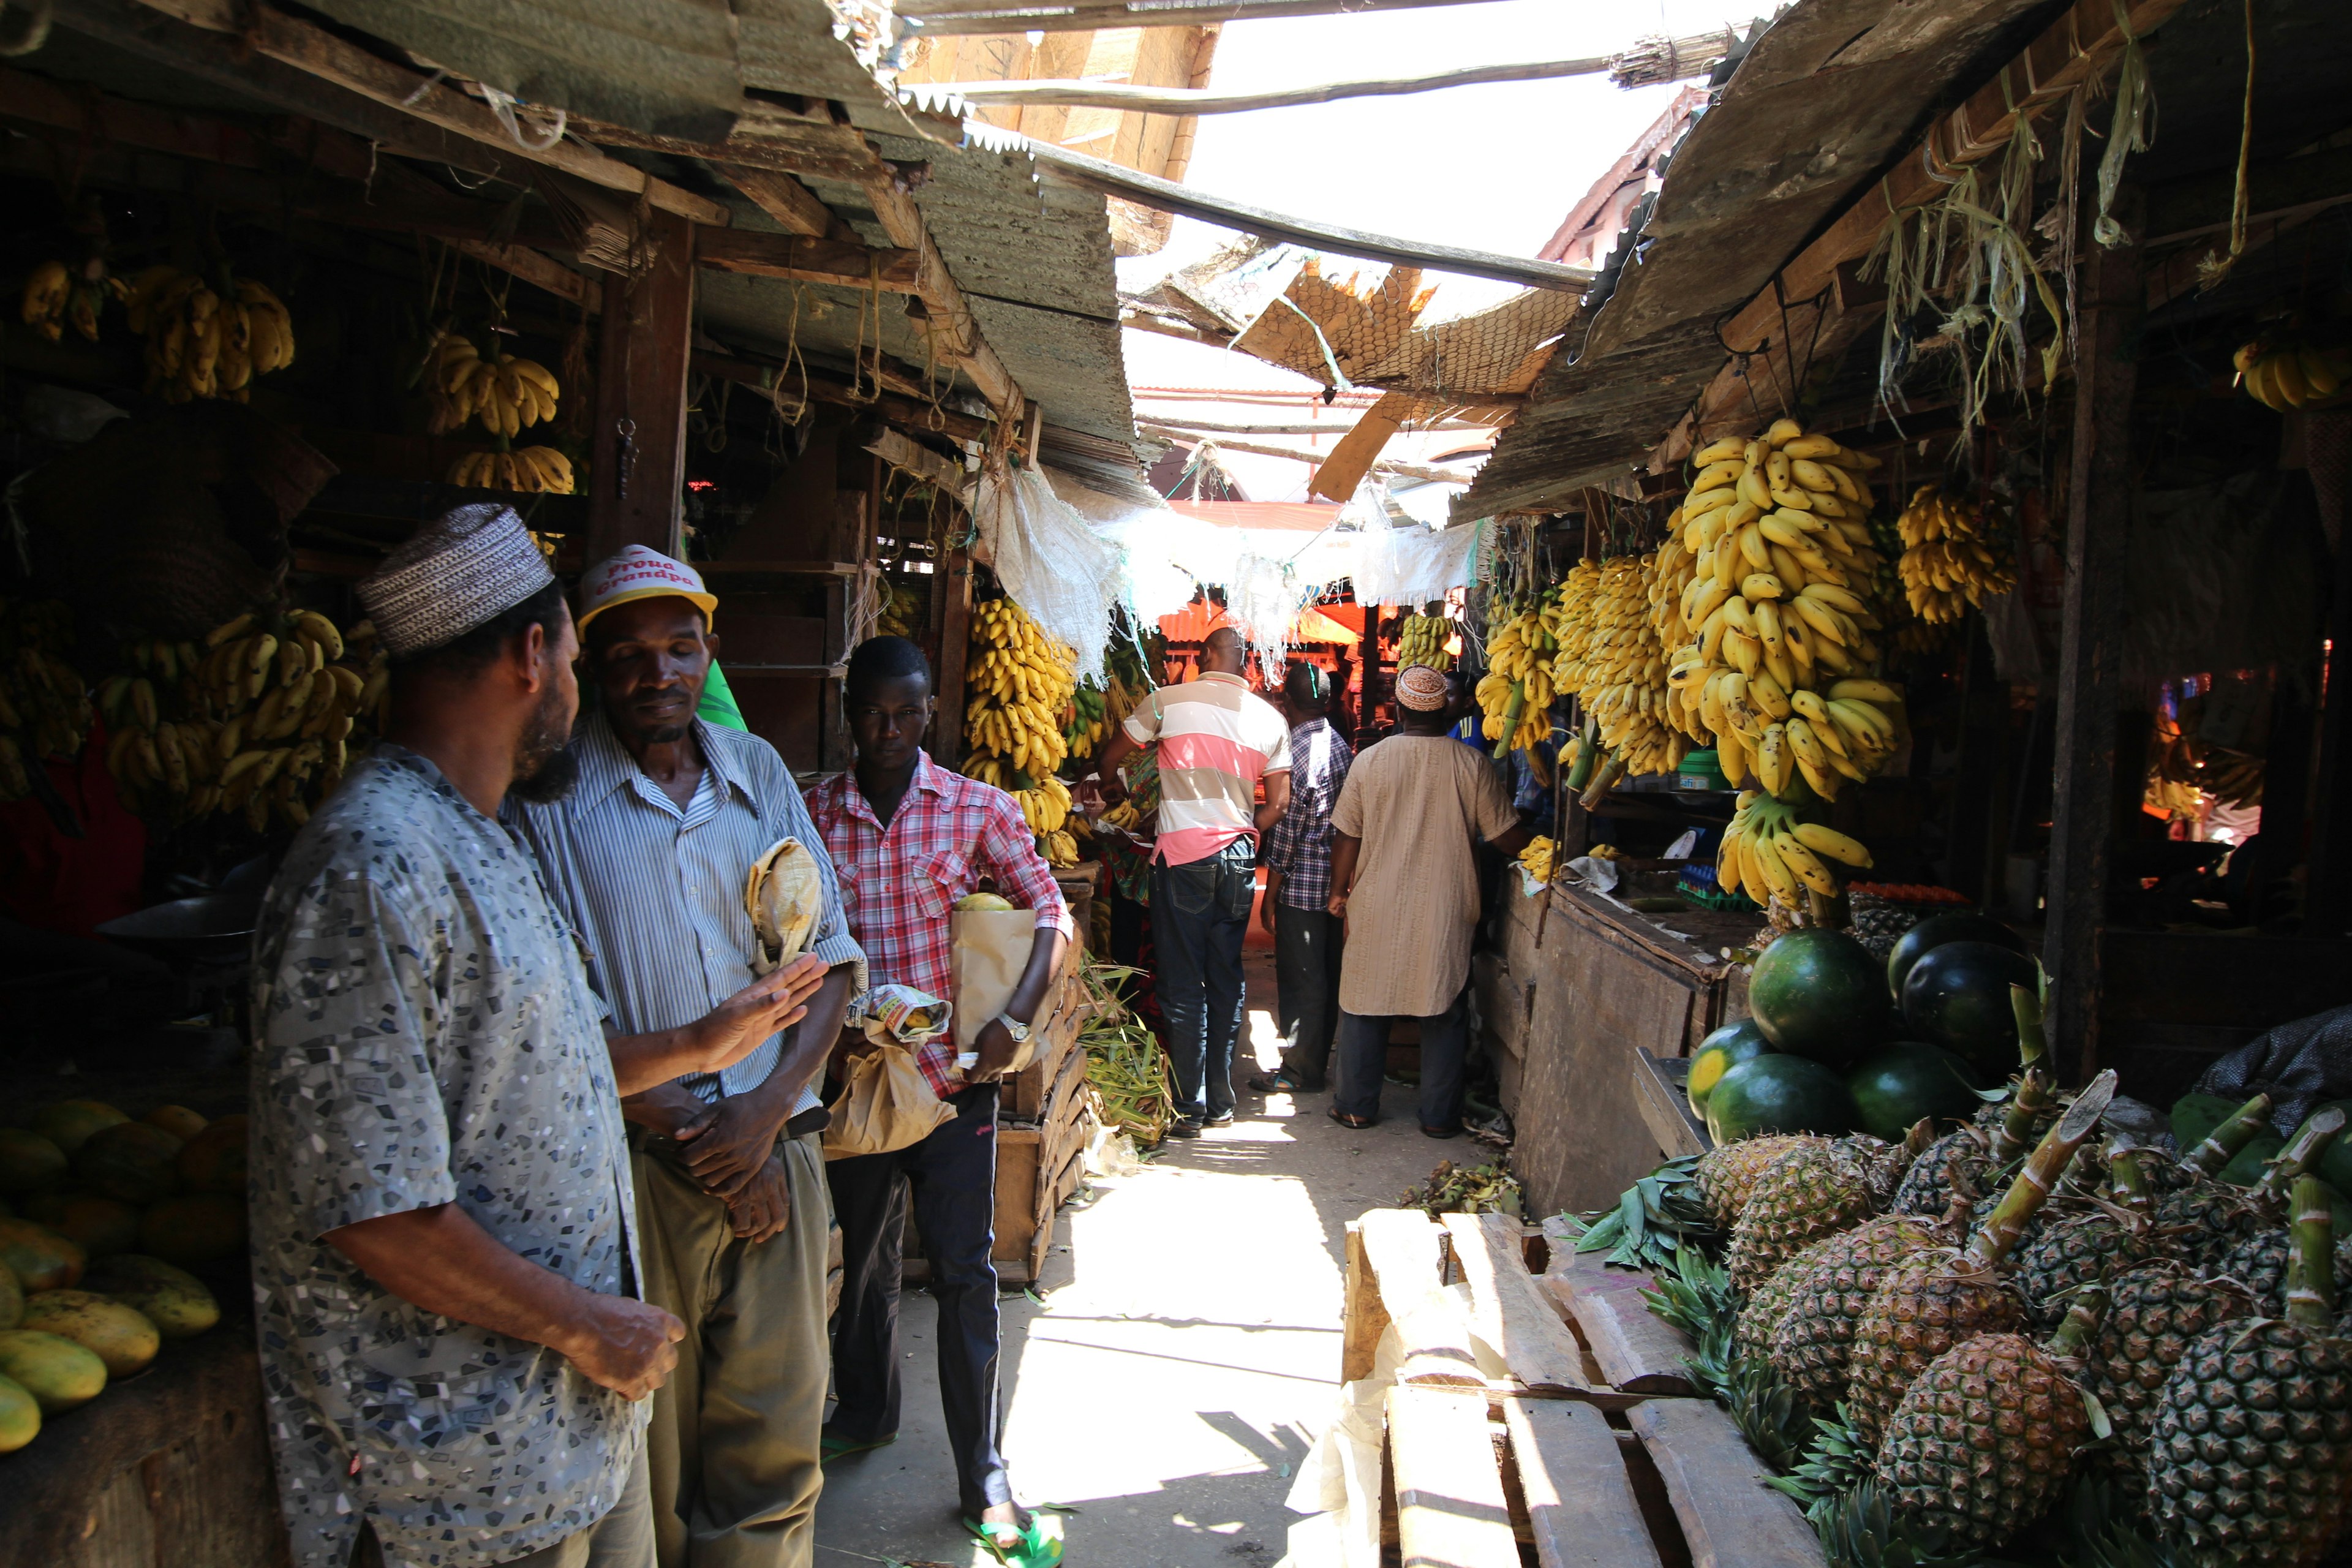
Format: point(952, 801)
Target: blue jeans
point(1200, 912)
point(1363, 1056)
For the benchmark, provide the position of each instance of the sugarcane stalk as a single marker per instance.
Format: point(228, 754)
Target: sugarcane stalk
point(1587, 754)
point(1603, 781)
point(2311, 1273)
point(2130, 1177)
point(1511, 712)
point(2036, 1092)
point(2301, 1152)
point(1999, 1234)
point(2223, 1144)
point(2082, 1320)
point(2033, 1042)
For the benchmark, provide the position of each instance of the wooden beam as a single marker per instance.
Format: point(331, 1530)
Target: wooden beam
point(1132, 99)
point(948, 322)
point(2089, 658)
point(786, 200)
point(954, 589)
point(638, 448)
point(824, 387)
point(1166, 196)
point(272, 34)
point(944, 18)
point(1329, 428)
point(842, 262)
point(909, 456)
point(1407, 470)
point(1336, 477)
point(1451, 1511)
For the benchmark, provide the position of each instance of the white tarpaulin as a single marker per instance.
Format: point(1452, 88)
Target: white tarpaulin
point(1049, 559)
point(1414, 565)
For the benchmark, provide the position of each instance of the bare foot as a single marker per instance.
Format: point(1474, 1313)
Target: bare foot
point(1005, 1521)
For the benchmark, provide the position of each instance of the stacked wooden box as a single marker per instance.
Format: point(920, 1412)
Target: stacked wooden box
point(1591, 1450)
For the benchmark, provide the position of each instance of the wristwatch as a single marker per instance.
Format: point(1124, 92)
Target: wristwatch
point(1014, 1026)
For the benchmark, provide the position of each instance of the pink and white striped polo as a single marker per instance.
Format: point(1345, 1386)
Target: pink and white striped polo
point(1217, 738)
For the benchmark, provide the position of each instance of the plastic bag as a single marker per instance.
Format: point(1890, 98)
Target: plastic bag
point(1414, 565)
point(2299, 1064)
point(1054, 566)
point(888, 1105)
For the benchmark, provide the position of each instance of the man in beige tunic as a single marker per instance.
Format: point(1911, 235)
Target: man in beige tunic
point(1404, 861)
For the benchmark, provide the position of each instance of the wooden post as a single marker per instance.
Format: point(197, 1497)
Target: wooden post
point(1983, 719)
point(2090, 660)
point(2328, 902)
point(647, 334)
point(954, 588)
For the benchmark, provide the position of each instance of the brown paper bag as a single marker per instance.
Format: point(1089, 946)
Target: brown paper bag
point(888, 1104)
point(991, 951)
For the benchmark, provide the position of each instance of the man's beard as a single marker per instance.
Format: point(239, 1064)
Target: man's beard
point(667, 735)
point(545, 765)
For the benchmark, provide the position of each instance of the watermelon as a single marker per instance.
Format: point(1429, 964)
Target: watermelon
point(1777, 1094)
point(1907, 1080)
point(1819, 994)
point(1935, 932)
point(1957, 996)
point(1718, 1054)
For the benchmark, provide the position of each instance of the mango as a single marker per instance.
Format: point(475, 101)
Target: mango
point(214, 1161)
point(57, 1373)
point(193, 1229)
point(177, 1119)
point(28, 1161)
point(20, 1415)
point(41, 1258)
point(98, 1224)
point(68, 1123)
point(12, 1298)
point(117, 1335)
point(133, 1161)
point(180, 1305)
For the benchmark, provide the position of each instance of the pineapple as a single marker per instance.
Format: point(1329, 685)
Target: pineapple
point(2154, 1314)
point(1985, 1436)
point(1960, 1161)
point(1942, 1299)
point(1760, 1314)
point(2259, 1262)
point(2205, 1214)
point(1727, 1175)
point(2093, 1241)
point(1828, 1285)
point(1808, 1193)
point(2251, 1460)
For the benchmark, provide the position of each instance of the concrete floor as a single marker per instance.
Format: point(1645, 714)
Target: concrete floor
point(1179, 1355)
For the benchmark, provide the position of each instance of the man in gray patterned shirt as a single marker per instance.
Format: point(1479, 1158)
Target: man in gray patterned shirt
point(445, 1268)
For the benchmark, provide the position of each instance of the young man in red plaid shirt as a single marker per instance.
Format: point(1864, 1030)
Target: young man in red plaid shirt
point(909, 838)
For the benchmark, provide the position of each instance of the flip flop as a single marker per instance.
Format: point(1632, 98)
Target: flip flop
point(1353, 1123)
point(1038, 1546)
point(828, 1450)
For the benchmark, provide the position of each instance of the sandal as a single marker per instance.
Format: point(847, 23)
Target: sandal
point(1038, 1544)
point(1429, 1132)
point(828, 1450)
point(1352, 1122)
point(1275, 1082)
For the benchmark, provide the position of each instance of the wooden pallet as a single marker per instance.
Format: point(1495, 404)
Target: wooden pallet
point(1587, 1452)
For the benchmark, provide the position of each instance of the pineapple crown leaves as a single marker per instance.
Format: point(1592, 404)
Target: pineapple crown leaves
point(1696, 1295)
point(1857, 1528)
point(1839, 1460)
point(1654, 1218)
point(1765, 1410)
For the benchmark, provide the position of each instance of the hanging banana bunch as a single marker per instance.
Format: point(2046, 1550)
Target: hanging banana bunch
point(1422, 641)
point(507, 394)
point(2279, 373)
point(1951, 562)
point(45, 708)
point(256, 722)
point(203, 343)
point(1515, 692)
point(1611, 659)
point(1023, 684)
point(57, 294)
point(1769, 854)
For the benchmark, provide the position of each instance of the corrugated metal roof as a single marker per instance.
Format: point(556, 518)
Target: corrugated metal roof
point(1831, 93)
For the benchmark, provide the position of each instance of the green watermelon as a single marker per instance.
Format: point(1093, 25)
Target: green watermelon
point(1819, 994)
point(1935, 932)
point(1777, 1094)
point(1907, 1080)
point(2194, 1117)
point(1957, 996)
point(1718, 1054)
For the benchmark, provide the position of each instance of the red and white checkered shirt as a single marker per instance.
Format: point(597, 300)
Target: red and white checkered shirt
point(899, 885)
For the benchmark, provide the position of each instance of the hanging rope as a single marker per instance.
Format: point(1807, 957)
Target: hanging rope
point(2214, 267)
point(2128, 132)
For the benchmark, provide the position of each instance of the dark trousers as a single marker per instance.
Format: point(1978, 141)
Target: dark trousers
point(1306, 977)
point(1200, 912)
point(1363, 1055)
point(950, 1178)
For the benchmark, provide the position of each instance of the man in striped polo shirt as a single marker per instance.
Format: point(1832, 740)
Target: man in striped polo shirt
point(1217, 742)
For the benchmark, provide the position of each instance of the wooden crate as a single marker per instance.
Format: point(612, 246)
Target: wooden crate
point(1056, 1035)
point(1588, 1451)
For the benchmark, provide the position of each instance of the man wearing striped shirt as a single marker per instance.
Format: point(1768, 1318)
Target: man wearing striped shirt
point(648, 855)
point(1217, 741)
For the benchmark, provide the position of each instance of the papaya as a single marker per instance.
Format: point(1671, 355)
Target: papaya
point(214, 1161)
point(99, 1223)
point(40, 1257)
point(28, 1161)
point(133, 1161)
point(193, 1229)
point(57, 1373)
point(119, 1336)
point(180, 1305)
point(12, 1298)
point(20, 1415)
point(68, 1123)
point(177, 1119)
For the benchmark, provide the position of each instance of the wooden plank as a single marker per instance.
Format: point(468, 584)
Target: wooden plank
point(1362, 1318)
point(2090, 661)
point(1405, 1250)
point(1506, 1308)
point(785, 199)
point(1730, 1518)
point(844, 263)
point(909, 456)
point(1580, 1504)
point(1339, 474)
point(1040, 92)
point(1665, 1111)
point(1166, 196)
point(1636, 1351)
point(953, 330)
point(954, 655)
point(1451, 1511)
point(641, 396)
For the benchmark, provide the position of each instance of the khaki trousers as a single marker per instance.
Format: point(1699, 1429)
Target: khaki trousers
point(732, 1449)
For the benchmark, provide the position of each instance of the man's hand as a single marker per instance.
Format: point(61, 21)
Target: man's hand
point(996, 1047)
point(739, 1025)
point(1266, 905)
point(762, 1210)
point(730, 1151)
point(1112, 788)
point(668, 1110)
point(623, 1344)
